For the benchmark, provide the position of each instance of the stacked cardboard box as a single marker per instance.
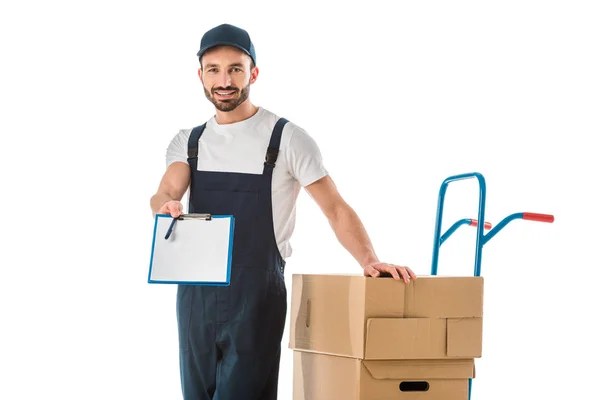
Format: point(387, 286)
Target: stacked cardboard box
point(359, 338)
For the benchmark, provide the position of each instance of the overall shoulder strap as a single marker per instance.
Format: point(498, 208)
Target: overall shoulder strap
point(193, 141)
point(273, 149)
point(193, 159)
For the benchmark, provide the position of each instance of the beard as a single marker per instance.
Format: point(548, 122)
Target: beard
point(229, 104)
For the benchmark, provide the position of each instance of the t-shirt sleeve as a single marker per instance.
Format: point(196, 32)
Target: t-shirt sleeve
point(177, 149)
point(305, 161)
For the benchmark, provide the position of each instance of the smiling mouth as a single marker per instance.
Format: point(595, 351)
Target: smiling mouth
point(225, 93)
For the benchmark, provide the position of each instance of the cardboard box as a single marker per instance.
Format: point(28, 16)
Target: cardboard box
point(326, 377)
point(432, 317)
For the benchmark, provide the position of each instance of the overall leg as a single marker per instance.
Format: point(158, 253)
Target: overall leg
point(197, 350)
point(251, 342)
point(272, 384)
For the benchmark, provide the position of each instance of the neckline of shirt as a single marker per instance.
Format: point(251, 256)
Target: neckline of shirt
point(244, 125)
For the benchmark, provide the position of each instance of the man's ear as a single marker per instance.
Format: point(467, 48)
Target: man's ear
point(200, 75)
point(254, 75)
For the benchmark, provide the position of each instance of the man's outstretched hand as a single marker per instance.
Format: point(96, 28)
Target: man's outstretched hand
point(395, 271)
point(172, 207)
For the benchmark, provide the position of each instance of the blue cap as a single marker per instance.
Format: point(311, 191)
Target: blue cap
point(227, 35)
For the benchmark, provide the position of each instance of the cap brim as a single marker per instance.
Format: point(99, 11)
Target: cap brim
point(221, 43)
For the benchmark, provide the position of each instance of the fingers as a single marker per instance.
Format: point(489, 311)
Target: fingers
point(176, 209)
point(393, 271)
point(399, 273)
point(172, 207)
point(407, 273)
point(404, 271)
point(396, 271)
point(370, 271)
point(411, 273)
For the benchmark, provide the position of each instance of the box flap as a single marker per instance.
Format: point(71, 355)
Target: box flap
point(420, 369)
point(405, 338)
point(464, 337)
point(444, 297)
point(384, 297)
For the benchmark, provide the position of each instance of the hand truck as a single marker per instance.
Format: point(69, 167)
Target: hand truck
point(481, 238)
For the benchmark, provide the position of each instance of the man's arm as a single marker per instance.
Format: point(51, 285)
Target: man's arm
point(350, 231)
point(171, 189)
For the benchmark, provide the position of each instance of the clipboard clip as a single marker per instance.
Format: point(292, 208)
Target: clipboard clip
point(206, 217)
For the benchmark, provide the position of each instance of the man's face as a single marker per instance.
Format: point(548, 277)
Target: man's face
point(226, 77)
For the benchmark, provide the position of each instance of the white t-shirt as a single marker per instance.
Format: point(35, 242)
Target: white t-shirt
point(241, 147)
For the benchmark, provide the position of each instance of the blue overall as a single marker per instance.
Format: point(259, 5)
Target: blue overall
point(230, 336)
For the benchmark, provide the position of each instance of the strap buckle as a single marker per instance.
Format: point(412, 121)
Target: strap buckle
point(271, 156)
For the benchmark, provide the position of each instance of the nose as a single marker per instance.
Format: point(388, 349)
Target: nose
point(224, 79)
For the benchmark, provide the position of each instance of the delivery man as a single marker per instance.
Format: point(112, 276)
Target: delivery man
point(248, 162)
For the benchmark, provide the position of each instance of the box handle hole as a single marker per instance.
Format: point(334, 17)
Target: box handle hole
point(307, 323)
point(414, 386)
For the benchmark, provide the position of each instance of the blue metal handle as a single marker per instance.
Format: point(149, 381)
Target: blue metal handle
point(438, 222)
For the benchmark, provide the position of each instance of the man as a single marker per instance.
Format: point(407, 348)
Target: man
point(248, 162)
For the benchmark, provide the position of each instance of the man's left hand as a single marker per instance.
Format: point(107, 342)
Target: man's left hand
point(396, 271)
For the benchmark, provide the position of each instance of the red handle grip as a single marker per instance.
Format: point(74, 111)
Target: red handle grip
point(486, 225)
point(538, 217)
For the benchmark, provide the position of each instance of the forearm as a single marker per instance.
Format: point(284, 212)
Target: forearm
point(352, 234)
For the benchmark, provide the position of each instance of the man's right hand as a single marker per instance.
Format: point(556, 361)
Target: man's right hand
point(172, 207)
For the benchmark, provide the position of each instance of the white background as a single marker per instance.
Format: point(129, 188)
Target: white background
point(397, 98)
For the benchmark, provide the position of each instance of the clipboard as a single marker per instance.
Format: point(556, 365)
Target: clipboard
point(192, 249)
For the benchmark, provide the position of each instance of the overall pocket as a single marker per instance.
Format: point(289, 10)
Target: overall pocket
point(243, 205)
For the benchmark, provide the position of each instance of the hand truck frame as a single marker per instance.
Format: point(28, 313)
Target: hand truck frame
point(482, 238)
